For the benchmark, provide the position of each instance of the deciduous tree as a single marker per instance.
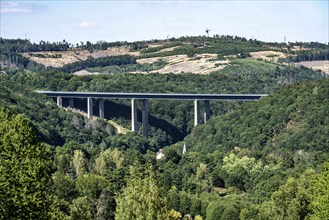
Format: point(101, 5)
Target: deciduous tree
point(25, 167)
point(143, 197)
point(320, 194)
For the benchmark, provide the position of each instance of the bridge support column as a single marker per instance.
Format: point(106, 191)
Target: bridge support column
point(145, 117)
point(133, 115)
point(59, 101)
point(196, 112)
point(71, 103)
point(101, 108)
point(206, 113)
point(90, 108)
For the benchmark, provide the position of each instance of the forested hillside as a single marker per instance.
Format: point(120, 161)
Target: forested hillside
point(299, 109)
point(239, 165)
point(265, 159)
point(45, 56)
point(54, 126)
point(171, 120)
point(245, 155)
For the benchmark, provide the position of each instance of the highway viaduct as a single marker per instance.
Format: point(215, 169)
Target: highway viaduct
point(144, 97)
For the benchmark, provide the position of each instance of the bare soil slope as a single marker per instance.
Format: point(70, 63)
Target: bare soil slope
point(72, 56)
point(322, 65)
point(269, 55)
point(199, 64)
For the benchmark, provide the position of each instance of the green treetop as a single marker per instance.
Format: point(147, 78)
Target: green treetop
point(142, 198)
point(25, 167)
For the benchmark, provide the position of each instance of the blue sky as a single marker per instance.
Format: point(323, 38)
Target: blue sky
point(77, 21)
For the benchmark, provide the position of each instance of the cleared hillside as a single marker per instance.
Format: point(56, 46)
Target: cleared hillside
point(199, 55)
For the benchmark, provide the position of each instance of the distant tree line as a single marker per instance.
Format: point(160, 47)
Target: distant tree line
point(223, 45)
point(21, 46)
point(308, 55)
point(289, 45)
point(11, 50)
point(97, 62)
point(310, 45)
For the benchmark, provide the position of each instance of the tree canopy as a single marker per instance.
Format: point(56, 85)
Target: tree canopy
point(25, 170)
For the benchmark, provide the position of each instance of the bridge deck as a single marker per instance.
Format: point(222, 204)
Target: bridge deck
point(172, 96)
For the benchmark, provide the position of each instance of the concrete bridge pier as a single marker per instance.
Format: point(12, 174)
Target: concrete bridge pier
point(90, 108)
point(71, 103)
point(196, 112)
point(206, 113)
point(59, 101)
point(145, 120)
point(101, 108)
point(133, 115)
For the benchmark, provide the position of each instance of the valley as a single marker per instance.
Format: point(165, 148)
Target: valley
point(241, 164)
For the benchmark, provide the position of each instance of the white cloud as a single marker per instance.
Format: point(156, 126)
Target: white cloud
point(88, 24)
point(13, 7)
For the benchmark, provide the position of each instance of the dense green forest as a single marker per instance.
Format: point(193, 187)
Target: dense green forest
point(267, 159)
point(255, 148)
point(309, 56)
point(237, 165)
point(54, 126)
point(171, 120)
